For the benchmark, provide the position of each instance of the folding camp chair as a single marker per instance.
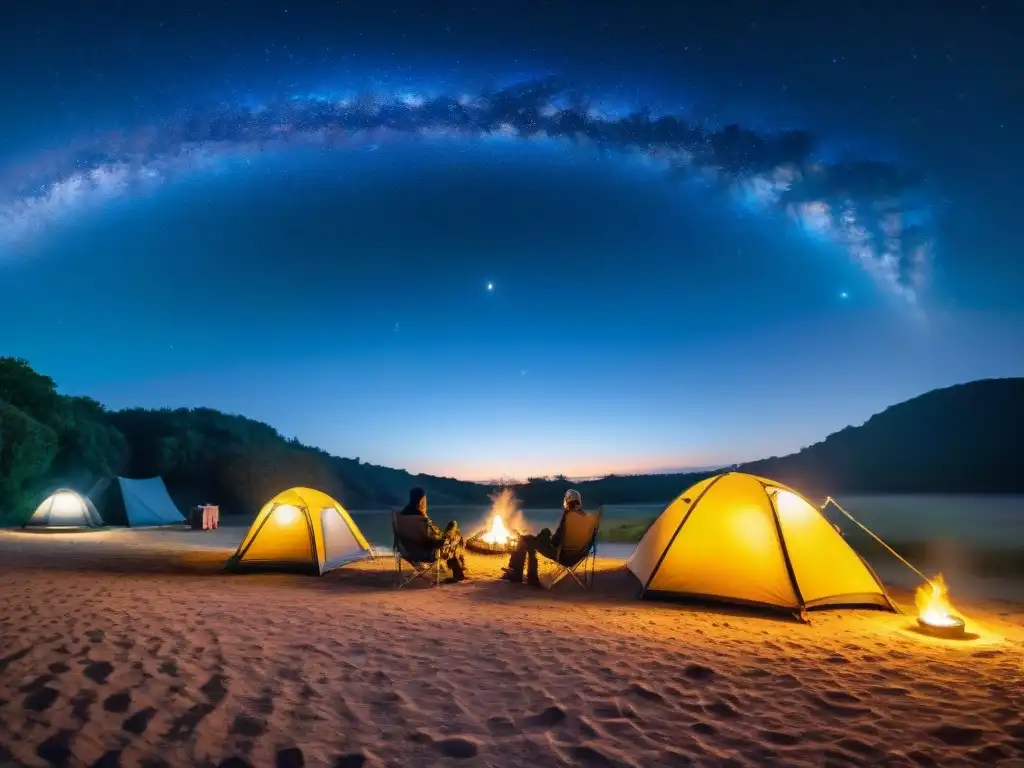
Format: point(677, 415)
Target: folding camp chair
point(576, 555)
point(411, 545)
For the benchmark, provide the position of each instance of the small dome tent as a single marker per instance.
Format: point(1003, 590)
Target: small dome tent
point(740, 538)
point(65, 509)
point(303, 530)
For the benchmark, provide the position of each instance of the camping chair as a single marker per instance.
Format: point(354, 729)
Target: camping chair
point(411, 545)
point(576, 555)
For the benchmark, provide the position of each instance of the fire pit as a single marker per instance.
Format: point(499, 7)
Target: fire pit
point(953, 628)
point(495, 540)
point(935, 614)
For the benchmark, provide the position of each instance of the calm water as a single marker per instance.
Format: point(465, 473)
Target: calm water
point(978, 522)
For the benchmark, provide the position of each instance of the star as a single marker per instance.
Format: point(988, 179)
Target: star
point(844, 295)
point(490, 286)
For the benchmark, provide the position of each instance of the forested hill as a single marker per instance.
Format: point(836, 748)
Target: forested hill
point(48, 440)
point(962, 439)
point(967, 438)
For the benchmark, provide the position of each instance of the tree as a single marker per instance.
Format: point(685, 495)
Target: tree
point(27, 450)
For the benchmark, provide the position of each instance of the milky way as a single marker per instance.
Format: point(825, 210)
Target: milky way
point(867, 209)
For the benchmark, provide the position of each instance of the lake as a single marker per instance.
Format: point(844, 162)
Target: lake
point(979, 522)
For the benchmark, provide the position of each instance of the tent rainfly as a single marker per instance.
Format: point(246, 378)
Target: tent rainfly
point(65, 508)
point(303, 530)
point(137, 503)
point(740, 538)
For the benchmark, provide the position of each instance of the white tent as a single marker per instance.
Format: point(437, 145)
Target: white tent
point(65, 509)
point(146, 502)
point(138, 503)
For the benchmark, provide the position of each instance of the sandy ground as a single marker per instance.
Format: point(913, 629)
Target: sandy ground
point(134, 649)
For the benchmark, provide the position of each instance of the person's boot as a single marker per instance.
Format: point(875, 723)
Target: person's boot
point(457, 573)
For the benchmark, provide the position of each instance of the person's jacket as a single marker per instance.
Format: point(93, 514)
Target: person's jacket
point(434, 534)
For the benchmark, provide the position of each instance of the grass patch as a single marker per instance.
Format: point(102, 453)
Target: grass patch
point(628, 532)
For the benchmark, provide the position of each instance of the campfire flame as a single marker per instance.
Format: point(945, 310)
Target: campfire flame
point(506, 518)
point(933, 605)
point(497, 533)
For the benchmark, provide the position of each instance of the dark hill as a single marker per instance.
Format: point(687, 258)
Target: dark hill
point(48, 440)
point(968, 438)
point(962, 439)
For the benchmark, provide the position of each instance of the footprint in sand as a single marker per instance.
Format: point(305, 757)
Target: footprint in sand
point(41, 699)
point(499, 725)
point(698, 672)
point(139, 722)
point(957, 735)
point(215, 689)
point(353, 760)
point(722, 709)
point(118, 702)
point(782, 738)
point(247, 726)
point(704, 729)
point(291, 757)
point(548, 718)
point(6, 661)
point(80, 704)
point(613, 710)
point(457, 747)
point(642, 692)
point(56, 750)
point(98, 671)
point(591, 756)
point(842, 710)
point(109, 759)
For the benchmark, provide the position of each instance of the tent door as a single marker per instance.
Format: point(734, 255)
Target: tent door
point(340, 546)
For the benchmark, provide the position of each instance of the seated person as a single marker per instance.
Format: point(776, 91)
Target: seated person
point(544, 542)
point(453, 548)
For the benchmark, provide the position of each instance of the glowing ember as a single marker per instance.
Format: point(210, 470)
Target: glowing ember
point(497, 533)
point(933, 606)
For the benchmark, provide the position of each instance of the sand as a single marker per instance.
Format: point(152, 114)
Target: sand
point(132, 648)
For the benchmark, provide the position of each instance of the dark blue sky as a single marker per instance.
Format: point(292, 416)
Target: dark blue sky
point(173, 233)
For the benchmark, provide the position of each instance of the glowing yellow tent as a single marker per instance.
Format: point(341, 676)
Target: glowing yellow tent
point(301, 529)
point(745, 539)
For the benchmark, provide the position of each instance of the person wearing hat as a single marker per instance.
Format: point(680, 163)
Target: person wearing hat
point(450, 541)
point(544, 542)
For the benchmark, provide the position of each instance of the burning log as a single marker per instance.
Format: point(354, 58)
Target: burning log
point(499, 538)
point(934, 612)
point(494, 540)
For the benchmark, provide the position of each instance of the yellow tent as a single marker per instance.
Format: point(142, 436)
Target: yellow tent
point(301, 529)
point(745, 539)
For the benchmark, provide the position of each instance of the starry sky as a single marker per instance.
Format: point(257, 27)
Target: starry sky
point(514, 238)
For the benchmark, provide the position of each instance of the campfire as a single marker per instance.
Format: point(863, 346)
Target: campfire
point(934, 612)
point(497, 538)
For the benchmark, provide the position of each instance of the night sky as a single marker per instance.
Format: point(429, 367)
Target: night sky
point(515, 238)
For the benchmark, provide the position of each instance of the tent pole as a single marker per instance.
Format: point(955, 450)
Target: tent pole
point(869, 532)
